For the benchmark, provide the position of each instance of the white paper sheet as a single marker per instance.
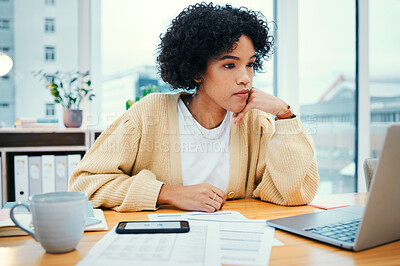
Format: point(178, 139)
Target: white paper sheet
point(243, 241)
point(246, 242)
point(185, 216)
point(230, 216)
point(198, 247)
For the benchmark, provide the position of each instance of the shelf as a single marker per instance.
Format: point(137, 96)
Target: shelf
point(38, 142)
point(45, 149)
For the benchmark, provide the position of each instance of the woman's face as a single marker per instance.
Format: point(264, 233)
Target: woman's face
point(229, 78)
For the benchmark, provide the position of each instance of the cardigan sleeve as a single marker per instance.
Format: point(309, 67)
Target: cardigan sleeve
point(104, 173)
point(286, 172)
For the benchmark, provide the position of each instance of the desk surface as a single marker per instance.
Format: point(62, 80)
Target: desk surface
point(23, 250)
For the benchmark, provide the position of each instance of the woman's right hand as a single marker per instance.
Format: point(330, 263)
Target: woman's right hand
point(193, 198)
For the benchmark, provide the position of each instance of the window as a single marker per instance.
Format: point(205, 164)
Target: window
point(50, 2)
point(384, 64)
point(50, 52)
point(4, 24)
point(49, 25)
point(327, 88)
point(50, 109)
point(4, 105)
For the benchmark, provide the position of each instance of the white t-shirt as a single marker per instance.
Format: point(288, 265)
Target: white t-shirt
point(205, 153)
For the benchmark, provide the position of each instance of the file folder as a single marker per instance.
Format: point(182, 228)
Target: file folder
point(35, 175)
point(48, 173)
point(1, 184)
point(21, 179)
point(61, 173)
point(73, 160)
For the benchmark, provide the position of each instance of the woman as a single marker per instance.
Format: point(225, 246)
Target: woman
point(194, 150)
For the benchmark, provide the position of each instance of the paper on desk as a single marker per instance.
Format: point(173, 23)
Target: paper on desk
point(218, 216)
point(243, 241)
point(246, 242)
point(198, 247)
point(229, 216)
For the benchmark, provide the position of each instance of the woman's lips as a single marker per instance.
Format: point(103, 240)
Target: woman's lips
point(242, 94)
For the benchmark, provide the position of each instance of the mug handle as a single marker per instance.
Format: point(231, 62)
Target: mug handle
point(30, 232)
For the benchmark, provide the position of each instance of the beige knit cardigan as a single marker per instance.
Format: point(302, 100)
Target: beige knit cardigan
point(139, 152)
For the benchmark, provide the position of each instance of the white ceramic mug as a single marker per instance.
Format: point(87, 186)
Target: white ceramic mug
point(58, 219)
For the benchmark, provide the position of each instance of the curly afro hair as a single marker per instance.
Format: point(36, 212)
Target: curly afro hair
point(202, 32)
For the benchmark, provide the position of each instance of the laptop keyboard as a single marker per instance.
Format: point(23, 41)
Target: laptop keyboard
point(345, 232)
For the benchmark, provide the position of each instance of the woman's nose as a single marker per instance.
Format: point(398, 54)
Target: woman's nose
point(244, 77)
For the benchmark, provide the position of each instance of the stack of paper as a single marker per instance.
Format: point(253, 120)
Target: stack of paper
point(36, 123)
point(243, 241)
point(198, 247)
point(223, 237)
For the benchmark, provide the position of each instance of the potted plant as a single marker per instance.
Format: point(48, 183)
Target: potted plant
point(147, 90)
point(68, 89)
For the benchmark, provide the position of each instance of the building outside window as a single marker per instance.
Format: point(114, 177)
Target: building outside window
point(50, 53)
point(49, 25)
point(50, 2)
point(4, 24)
point(50, 110)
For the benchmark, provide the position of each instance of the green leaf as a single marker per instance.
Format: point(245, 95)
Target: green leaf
point(57, 100)
point(61, 85)
point(73, 80)
point(89, 83)
point(137, 98)
point(55, 92)
point(128, 104)
point(91, 96)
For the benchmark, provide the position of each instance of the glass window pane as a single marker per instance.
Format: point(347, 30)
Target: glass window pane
point(28, 42)
point(129, 45)
point(384, 62)
point(327, 88)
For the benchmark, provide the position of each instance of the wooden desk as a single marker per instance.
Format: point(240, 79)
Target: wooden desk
point(24, 250)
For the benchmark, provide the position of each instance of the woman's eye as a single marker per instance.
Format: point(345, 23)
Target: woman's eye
point(250, 64)
point(229, 65)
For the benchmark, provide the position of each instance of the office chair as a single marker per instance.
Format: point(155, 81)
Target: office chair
point(369, 170)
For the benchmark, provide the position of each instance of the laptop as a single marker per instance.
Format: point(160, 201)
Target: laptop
point(356, 227)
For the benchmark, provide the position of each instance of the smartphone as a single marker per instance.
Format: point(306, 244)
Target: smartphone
point(152, 227)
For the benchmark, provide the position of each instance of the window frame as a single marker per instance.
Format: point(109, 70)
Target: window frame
point(49, 25)
point(49, 53)
point(5, 23)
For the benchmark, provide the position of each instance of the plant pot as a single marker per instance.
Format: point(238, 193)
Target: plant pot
point(72, 118)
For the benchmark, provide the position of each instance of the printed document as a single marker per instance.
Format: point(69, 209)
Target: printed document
point(199, 247)
point(243, 241)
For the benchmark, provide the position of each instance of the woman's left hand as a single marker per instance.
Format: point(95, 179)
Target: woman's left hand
point(263, 101)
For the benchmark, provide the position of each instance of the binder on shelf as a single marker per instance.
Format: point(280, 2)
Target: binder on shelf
point(35, 175)
point(73, 160)
point(61, 173)
point(1, 184)
point(48, 173)
point(21, 179)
